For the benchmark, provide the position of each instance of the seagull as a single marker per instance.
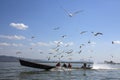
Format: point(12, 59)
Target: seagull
point(18, 52)
point(31, 48)
point(115, 42)
point(62, 56)
point(48, 58)
point(57, 50)
point(55, 55)
point(80, 51)
point(58, 45)
point(32, 37)
point(41, 52)
point(56, 28)
point(63, 36)
point(70, 51)
point(112, 42)
point(50, 53)
point(72, 14)
point(82, 45)
point(98, 33)
point(83, 32)
point(89, 42)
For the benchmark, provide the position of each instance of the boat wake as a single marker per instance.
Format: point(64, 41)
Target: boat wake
point(103, 66)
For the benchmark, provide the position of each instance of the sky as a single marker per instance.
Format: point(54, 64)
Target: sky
point(45, 29)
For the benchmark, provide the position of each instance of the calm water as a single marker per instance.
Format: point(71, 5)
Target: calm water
point(13, 71)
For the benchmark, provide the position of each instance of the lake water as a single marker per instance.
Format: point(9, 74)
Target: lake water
point(14, 71)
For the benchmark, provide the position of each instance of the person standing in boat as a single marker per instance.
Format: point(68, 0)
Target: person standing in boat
point(64, 65)
point(69, 65)
point(84, 66)
point(58, 64)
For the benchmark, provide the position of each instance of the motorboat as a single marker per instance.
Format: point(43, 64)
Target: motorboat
point(47, 65)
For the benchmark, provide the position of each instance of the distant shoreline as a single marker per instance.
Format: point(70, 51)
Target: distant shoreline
point(4, 58)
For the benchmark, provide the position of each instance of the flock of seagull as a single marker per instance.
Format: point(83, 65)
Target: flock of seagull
point(65, 49)
point(58, 53)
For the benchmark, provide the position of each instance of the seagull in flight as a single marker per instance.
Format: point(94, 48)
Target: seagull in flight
point(70, 51)
point(32, 37)
point(18, 52)
point(56, 28)
point(112, 42)
point(72, 14)
point(98, 33)
point(89, 42)
point(80, 51)
point(82, 32)
point(63, 36)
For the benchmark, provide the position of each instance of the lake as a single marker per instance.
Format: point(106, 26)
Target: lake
point(14, 71)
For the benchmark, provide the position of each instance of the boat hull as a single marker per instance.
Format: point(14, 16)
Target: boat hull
point(35, 65)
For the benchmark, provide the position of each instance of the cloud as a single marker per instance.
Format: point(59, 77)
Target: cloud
point(15, 37)
point(4, 44)
point(19, 26)
point(10, 44)
point(43, 44)
point(116, 42)
point(40, 44)
point(54, 43)
point(16, 45)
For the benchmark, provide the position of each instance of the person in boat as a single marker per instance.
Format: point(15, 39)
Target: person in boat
point(69, 65)
point(84, 66)
point(89, 66)
point(64, 65)
point(58, 64)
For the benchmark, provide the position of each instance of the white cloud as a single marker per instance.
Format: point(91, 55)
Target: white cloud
point(40, 44)
point(10, 44)
point(54, 43)
point(19, 26)
point(116, 42)
point(16, 45)
point(15, 37)
point(4, 44)
point(43, 44)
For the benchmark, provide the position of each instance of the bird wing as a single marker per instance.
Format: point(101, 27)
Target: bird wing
point(56, 28)
point(83, 32)
point(77, 12)
point(98, 34)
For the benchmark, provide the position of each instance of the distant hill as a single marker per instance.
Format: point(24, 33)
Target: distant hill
point(4, 58)
point(8, 59)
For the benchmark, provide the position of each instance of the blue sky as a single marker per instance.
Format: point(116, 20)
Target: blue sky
point(27, 29)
